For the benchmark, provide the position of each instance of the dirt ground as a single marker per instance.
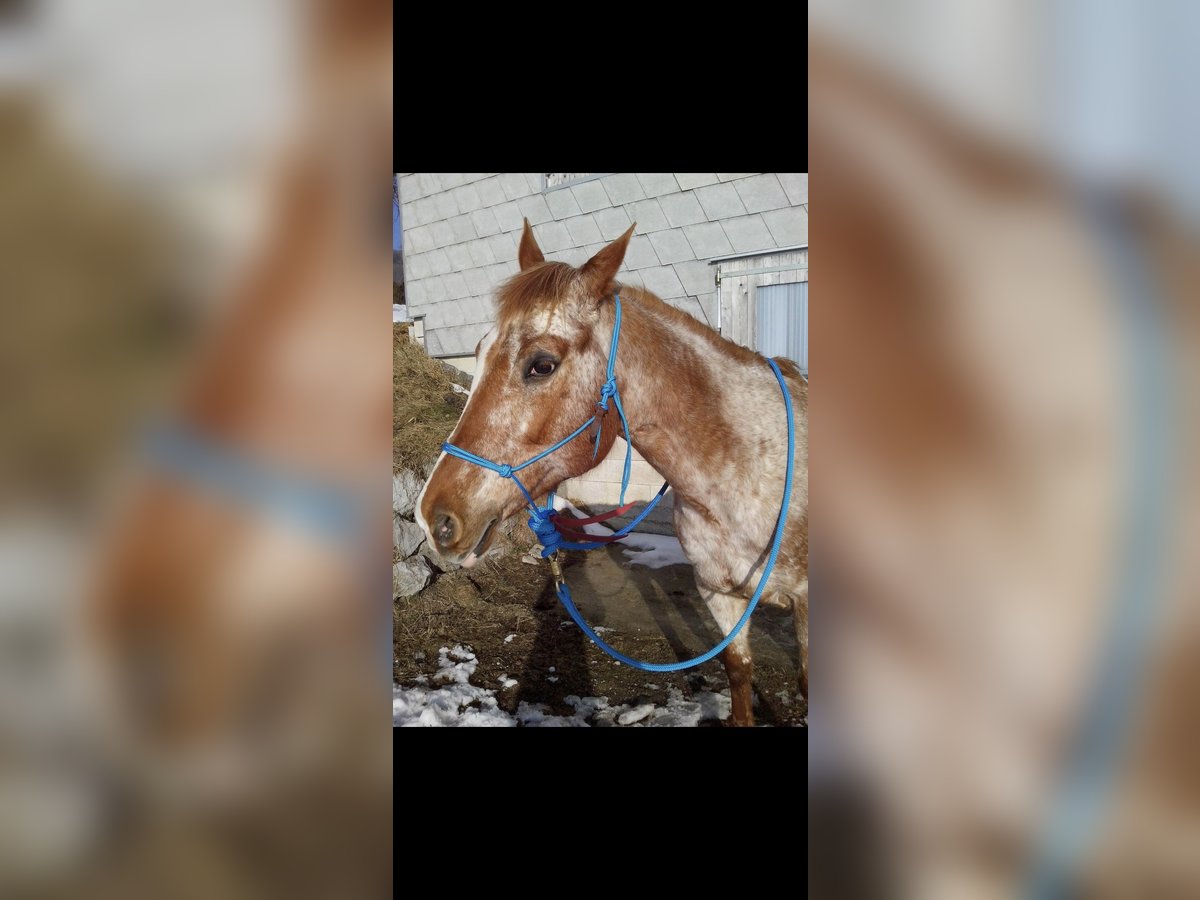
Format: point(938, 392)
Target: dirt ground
point(654, 615)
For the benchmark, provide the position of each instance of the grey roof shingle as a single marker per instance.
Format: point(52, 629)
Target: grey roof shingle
point(435, 289)
point(490, 191)
point(485, 222)
point(422, 211)
point(456, 287)
point(591, 196)
point(504, 246)
point(572, 256)
point(689, 180)
point(657, 183)
point(416, 267)
point(623, 188)
point(708, 240)
point(720, 201)
point(535, 209)
point(696, 276)
point(795, 185)
point(747, 234)
point(553, 236)
point(649, 216)
point(460, 256)
point(481, 253)
point(428, 184)
point(612, 222)
point(562, 204)
point(509, 216)
point(664, 282)
point(410, 188)
point(583, 230)
point(467, 198)
point(439, 262)
point(671, 246)
point(514, 185)
point(446, 207)
point(443, 234)
point(789, 226)
point(419, 239)
point(640, 253)
point(477, 281)
point(682, 209)
point(762, 192)
point(497, 272)
point(463, 228)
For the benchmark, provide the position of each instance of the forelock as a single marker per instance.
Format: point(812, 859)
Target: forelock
point(542, 288)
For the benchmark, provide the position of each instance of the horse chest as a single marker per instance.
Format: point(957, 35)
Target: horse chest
point(722, 552)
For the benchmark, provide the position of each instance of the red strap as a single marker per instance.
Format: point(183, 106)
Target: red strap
point(603, 517)
point(583, 537)
point(572, 528)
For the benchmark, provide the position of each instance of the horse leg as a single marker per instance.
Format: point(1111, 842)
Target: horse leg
point(800, 614)
point(739, 667)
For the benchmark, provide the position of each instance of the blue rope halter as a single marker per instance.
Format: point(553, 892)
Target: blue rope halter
point(323, 507)
point(541, 519)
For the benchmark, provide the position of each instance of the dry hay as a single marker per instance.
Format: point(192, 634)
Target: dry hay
point(425, 406)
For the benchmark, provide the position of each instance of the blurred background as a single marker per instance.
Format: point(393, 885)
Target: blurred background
point(192, 668)
point(1005, 205)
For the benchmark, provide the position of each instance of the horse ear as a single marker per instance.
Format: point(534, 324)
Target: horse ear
point(602, 268)
point(529, 253)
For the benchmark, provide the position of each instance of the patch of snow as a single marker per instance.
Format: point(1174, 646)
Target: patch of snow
point(552, 678)
point(636, 714)
point(456, 703)
point(535, 715)
point(509, 639)
point(654, 550)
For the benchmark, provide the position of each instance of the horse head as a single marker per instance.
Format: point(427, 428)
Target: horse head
point(540, 371)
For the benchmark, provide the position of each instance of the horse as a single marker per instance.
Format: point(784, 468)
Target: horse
point(705, 412)
point(974, 424)
point(228, 621)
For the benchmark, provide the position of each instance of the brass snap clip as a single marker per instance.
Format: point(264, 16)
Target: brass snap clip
point(556, 569)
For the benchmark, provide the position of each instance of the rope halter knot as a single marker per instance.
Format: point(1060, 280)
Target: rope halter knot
point(504, 471)
point(607, 391)
point(541, 524)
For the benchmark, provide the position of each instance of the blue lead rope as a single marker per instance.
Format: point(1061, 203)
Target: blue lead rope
point(1138, 591)
point(542, 524)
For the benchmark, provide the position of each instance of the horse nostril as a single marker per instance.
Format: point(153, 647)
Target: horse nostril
point(445, 528)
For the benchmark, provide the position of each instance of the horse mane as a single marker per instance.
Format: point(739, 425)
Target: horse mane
point(658, 308)
point(546, 285)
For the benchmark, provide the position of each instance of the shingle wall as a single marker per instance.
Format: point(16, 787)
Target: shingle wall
point(461, 233)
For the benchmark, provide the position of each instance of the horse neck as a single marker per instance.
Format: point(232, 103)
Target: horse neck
point(287, 359)
point(677, 380)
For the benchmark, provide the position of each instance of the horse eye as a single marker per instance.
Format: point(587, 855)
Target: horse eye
point(541, 368)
